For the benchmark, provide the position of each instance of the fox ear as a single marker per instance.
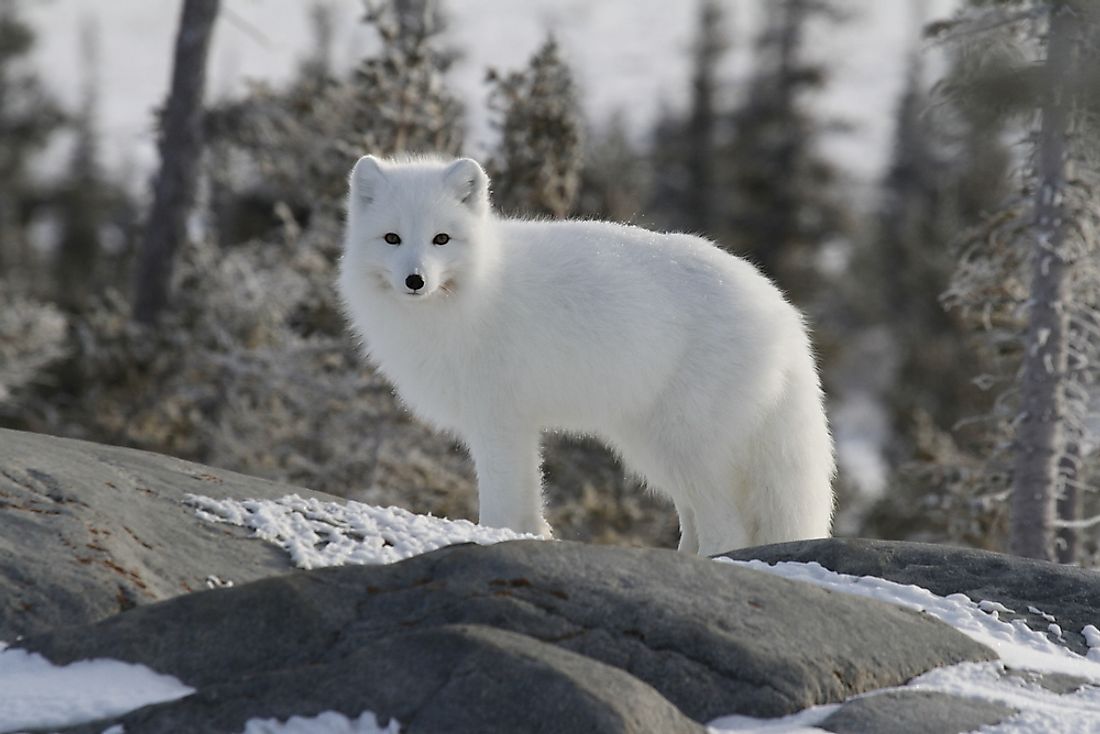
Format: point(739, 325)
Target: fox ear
point(468, 183)
point(366, 178)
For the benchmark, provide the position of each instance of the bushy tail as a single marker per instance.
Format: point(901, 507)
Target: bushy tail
point(791, 467)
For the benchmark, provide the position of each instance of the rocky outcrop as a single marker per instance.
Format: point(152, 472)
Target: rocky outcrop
point(100, 557)
point(680, 634)
point(87, 531)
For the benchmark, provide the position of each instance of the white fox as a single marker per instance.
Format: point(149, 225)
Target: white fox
point(685, 359)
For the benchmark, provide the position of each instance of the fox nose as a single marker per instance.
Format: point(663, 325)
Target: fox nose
point(414, 282)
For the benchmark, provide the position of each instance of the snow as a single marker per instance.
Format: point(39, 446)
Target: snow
point(35, 693)
point(1092, 639)
point(317, 534)
point(802, 722)
point(1015, 643)
point(1018, 647)
point(329, 722)
point(994, 607)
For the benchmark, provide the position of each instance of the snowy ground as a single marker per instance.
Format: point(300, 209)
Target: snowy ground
point(34, 693)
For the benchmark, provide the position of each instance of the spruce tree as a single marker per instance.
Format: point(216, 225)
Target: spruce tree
point(689, 194)
point(1027, 274)
point(82, 194)
point(29, 117)
point(538, 164)
point(782, 202)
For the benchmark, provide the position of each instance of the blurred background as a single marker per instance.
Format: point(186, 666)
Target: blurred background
point(171, 197)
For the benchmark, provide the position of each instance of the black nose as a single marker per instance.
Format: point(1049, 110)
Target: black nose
point(414, 282)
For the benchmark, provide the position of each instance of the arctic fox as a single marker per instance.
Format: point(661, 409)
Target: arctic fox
point(684, 359)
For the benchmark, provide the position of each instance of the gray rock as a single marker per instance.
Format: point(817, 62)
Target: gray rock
point(914, 712)
point(1060, 683)
point(455, 679)
point(89, 530)
point(1070, 595)
point(712, 638)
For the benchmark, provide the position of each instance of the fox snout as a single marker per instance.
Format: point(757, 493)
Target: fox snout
point(414, 280)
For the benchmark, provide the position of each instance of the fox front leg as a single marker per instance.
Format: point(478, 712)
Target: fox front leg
point(509, 479)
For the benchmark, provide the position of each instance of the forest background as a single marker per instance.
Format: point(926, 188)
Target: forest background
point(179, 297)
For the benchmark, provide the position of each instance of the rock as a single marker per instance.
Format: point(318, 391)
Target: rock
point(914, 712)
point(88, 530)
point(1067, 595)
point(1060, 683)
point(713, 639)
point(453, 678)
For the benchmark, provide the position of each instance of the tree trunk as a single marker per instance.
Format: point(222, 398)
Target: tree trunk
point(180, 151)
point(1041, 434)
point(1069, 505)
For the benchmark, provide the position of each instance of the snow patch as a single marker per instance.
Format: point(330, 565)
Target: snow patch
point(1040, 710)
point(1015, 643)
point(329, 722)
point(1041, 613)
point(317, 534)
point(36, 694)
point(994, 607)
point(1092, 639)
point(802, 722)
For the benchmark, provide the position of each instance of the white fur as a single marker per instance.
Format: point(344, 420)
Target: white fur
point(685, 359)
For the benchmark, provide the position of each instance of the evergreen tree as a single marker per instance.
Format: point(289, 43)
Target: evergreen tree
point(688, 194)
point(28, 118)
point(537, 169)
point(616, 179)
point(929, 194)
point(1029, 272)
point(394, 101)
point(781, 202)
point(944, 173)
point(81, 196)
point(702, 130)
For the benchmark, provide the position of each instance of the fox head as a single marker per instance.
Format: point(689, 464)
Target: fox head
point(415, 229)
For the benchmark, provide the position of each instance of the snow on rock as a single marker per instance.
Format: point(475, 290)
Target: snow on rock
point(1040, 710)
point(35, 693)
point(318, 534)
point(329, 722)
point(994, 607)
point(1092, 637)
point(1041, 613)
point(802, 722)
point(1017, 645)
point(1019, 648)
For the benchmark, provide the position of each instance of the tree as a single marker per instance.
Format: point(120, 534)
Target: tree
point(82, 194)
point(181, 144)
point(781, 203)
point(616, 178)
point(1031, 268)
point(537, 167)
point(29, 117)
point(947, 169)
point(1042, 433)
point(688, 194)
point(710, 47)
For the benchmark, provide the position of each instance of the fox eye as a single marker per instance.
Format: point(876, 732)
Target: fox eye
point(441, 239)
point(392, 238)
